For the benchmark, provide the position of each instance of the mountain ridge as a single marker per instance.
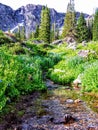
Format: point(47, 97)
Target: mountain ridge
point(27, 16)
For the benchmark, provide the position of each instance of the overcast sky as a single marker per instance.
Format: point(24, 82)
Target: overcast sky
point(86, 6)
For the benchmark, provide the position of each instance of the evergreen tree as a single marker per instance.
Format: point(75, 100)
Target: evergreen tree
point(70, 21)
point(57, 34)
point(82, 30)
point(69, 25)
point(44, 32)
point(36, 34)
point(53, 32)
point(22, 33)
point(90, 28)
point(18, 34)
point(95, 27)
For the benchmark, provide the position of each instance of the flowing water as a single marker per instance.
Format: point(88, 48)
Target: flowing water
point(47, 111)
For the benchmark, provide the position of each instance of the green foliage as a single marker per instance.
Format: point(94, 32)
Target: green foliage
point(44, 32)
point(20, 34)
point(20, 72)
point(18, 75)
point(90, 78)
point(1, 33)
point(71, 65)
point(22, 66)
point(82, 30)
point(95, 27)
point(36, 34)
point(17, 49)
point(69, 25)
point(67, 70)
point(75, 61)
point(3, 39)
point(54, 33)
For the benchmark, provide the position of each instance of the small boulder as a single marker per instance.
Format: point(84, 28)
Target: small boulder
point(72, 46)
point(92, 128)
point(69, 39)
point(84, 43)
point(57, 42)
point(69, 101)
point(38, 41)
point(69, 118)
point(83, 53)
point(77, 81)
point(77, 101)
point(64, 120)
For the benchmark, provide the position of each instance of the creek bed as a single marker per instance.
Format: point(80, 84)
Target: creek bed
point(45, 111)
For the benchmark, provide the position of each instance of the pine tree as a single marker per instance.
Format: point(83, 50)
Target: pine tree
point(22, 33)
point(57, 33)
point(90, 28)
point(69, 25)
point(95, 27)
point(82, 30)
point(54, 32)
point(44, 32)
point(70, 21)
point(36, 34)
point(52, 38)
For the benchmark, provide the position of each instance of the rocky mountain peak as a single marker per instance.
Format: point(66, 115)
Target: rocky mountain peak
point(27, 16)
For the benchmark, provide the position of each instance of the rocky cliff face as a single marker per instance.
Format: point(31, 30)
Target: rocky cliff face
point(27, 16)
point(7, 19)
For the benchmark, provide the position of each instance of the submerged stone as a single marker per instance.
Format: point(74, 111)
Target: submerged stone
point(69, 101)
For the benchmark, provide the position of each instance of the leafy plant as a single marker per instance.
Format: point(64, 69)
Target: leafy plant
point(90, 78)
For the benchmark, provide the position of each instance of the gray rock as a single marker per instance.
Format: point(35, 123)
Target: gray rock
point(72, 46)
point(84, 43)
point(58, 42)
point(38, 41)
point(70, 39)
point(83, 53)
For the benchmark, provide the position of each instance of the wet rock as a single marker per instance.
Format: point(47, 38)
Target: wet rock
point(69, 101)
point(77, 81)
point(77, 101)
point(64, 120)
point(45, 119)
point(51, 85)
point(19, 128)
point(69, 118)
point(2, 127)
point(92, 128)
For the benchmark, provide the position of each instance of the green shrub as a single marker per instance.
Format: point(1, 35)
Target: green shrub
point(75, 61)
point(67, 70)
point(17, 49)
point(19, 75)
point(3, 38)
point(90, 78)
